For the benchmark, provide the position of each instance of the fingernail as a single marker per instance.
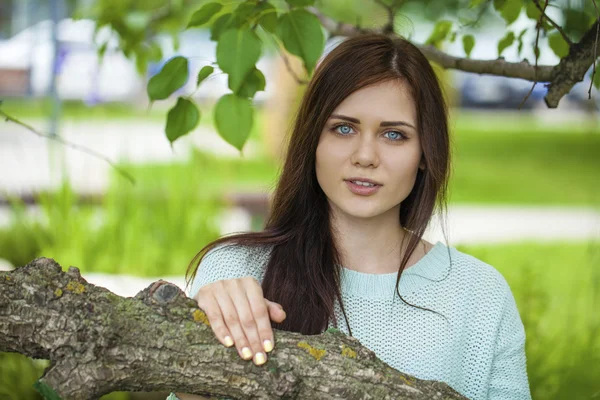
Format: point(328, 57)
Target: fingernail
point(260, 359)
point(246, 353)
point(268, 345)
point(228, 341)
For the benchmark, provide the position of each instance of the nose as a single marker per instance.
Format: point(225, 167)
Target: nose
point(365, 153)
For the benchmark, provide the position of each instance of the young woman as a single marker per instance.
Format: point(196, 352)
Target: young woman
point(366, 169)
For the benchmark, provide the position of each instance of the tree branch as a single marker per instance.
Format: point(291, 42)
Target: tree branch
point(499, 67)
point(561, 77)
point(160, 340)
point(572, 68)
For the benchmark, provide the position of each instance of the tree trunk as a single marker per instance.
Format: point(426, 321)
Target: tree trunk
point(160, 340)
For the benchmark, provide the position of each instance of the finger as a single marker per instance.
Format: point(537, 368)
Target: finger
point(232, 321)
point(247, 320)
point(258, 304)
point(209, 305)
point(276, 312)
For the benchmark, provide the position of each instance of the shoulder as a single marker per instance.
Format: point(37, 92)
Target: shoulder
point(478, 277)
point(237, 253)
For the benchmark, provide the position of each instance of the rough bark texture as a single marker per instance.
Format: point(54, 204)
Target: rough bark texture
point(561, 77)
point(160, 340)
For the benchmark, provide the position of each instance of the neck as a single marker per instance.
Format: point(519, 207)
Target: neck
point(370, 245)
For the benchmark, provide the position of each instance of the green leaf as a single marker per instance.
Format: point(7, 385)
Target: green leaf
point(476, 3)
point(204, 14)
point(233, 119)
point(254, 82)
point(499, 4)
point(440, 32)
point(510, 10)
point(597, 79)
point(267, 17)
point(204, 73)
point(302, 35)
point(505, 42)
point(246, 10)
point(171, 77)
point(300, 3)
point(532, 11)
point(468, 44)
point(181, 119)
point(219, 26)
point(558, 45)
point(238, 51)
point(46, 391)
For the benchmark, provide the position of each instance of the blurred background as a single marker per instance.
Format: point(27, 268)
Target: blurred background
point(524, 194)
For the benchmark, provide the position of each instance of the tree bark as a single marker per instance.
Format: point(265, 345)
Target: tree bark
point(98, 342)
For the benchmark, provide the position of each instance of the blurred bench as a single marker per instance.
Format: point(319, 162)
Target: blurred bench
point(257, 204)
point(14, 82)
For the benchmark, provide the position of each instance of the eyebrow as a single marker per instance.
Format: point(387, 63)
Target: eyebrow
point(382, 124)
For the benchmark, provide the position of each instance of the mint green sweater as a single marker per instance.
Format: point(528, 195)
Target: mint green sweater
point(479, 351)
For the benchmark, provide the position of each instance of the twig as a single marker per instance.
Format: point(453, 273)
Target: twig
point(389, 27)
point(291, 70)
point(595, 49)
point(536, 49)
point(554, 24)
point(68, 144)
point(299, 80)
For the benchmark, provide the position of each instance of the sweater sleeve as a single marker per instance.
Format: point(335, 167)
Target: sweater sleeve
point(229, 261)
point(508, 380)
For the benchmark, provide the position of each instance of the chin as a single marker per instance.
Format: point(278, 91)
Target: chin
point(361, 212)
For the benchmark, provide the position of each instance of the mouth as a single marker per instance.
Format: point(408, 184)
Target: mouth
point(362, 189)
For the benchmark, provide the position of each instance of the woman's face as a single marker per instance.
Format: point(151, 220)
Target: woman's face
point(373, 135)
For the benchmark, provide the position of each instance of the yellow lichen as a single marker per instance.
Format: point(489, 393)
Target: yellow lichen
point(408, 381)
point(348, 352)
point(316, 353)
point(75, 287)
point(58, 292)
point(199, 316)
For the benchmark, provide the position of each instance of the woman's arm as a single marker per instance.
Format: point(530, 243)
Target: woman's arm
point(509, 379)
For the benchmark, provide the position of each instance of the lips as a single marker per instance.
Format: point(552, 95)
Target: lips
point(364, 180)
point(362, 190)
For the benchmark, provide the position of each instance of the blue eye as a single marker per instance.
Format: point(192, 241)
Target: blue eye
point(397, 135)
point(343, 129)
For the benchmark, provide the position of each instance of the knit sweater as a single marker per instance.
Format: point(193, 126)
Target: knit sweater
point(479, 350)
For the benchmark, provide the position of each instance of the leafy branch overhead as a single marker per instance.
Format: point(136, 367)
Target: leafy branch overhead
point(241, 29)
point(159, 340)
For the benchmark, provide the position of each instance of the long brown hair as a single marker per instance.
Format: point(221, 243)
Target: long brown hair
point(303, 273)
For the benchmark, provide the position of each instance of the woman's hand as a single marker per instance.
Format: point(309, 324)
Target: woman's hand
point(239, 314)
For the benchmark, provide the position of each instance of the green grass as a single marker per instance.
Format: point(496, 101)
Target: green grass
point(557, 290)
point(515, 160)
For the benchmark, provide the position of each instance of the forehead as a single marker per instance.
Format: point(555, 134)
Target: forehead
point(384, 101)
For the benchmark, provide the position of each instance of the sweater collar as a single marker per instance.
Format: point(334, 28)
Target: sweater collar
point(433, 266)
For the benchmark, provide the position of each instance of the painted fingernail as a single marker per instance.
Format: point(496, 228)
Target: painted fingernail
point(268, 345)
point(228, 341)
point(246, 353)
point(260, 358)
